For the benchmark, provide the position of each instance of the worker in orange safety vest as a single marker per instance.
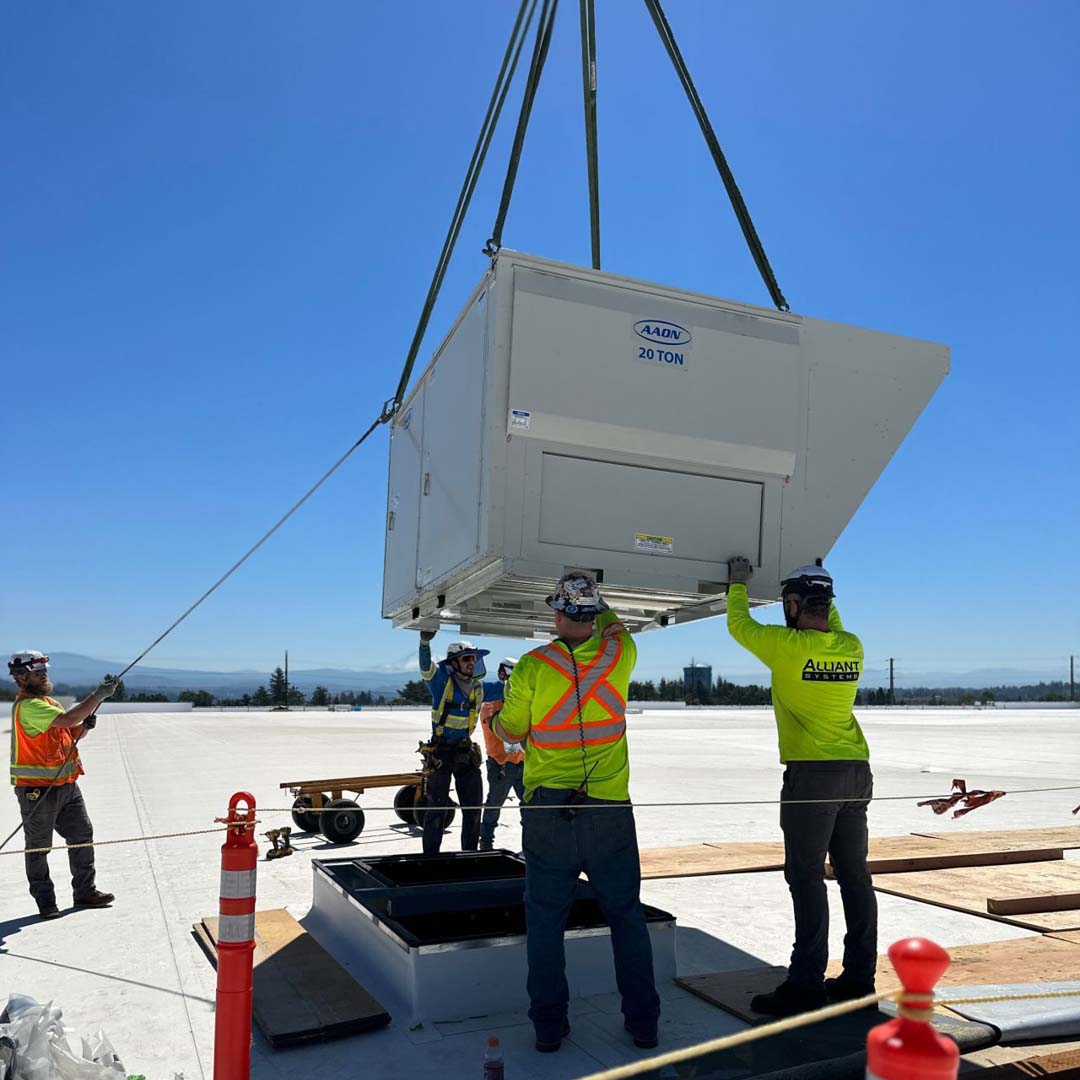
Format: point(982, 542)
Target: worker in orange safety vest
point(505, 760)
point(45, 769)
point(567, 702)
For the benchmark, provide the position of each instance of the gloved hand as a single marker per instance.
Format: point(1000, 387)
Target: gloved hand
point(108, 687)
point(90, 722)
point(739, 571)
point(427, 635)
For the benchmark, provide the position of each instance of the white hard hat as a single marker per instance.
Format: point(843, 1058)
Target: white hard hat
point(27, 661)
point(809, 582)
point(464, 648)
point(506, 664)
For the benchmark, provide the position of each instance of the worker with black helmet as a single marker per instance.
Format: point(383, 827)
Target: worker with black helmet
point(816, 665)
point(45, 769)
point(457, 692)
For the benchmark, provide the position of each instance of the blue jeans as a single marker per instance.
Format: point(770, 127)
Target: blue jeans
point(501, 779)
point(557, 847)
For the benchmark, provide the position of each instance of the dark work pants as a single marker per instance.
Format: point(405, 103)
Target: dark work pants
point(603, 843)
point(501, 779)
point(62, 809)
point(456, 765)
point(836, 827)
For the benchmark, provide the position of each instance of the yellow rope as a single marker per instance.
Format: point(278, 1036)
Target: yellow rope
point(792, 1023)
point(740, 1038)
point(125, 840)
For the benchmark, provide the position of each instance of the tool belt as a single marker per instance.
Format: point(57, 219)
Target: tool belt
point(439, 753)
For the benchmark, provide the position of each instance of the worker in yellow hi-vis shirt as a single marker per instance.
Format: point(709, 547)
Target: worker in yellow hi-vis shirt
point(566, 702)
point(816, 665)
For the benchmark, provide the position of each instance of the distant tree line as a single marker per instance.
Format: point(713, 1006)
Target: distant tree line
point(721, 692)
point(277, 694)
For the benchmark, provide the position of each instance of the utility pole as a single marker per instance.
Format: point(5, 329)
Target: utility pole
point(892, 681)
point(286, 678)
point(1072, 678)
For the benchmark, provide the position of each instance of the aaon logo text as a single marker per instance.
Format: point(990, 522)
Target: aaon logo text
point(661, 331)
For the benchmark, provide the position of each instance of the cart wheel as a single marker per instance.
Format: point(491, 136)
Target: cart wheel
point(419, 812)
point(405, 801)
point(305, 822)
point(342, 821)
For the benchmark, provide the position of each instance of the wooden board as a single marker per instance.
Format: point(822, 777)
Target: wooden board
point(1063, 836)
point(1034, 959)
point(354, 783)
point(696, 860)
point(732, 991)
point(1064, 1065)
point(301, 993)
point(903, 854)
point(967, 890)
point(1029, 905)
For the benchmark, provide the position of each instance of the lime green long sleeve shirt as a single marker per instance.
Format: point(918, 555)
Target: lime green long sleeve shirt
point(815, 676)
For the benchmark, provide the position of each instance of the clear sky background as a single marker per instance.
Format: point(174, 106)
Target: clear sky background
point(218, 222)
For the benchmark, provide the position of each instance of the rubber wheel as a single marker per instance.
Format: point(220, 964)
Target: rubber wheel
point(342, 821)
point(405, 801)
point(305, 822)
point(448, 815)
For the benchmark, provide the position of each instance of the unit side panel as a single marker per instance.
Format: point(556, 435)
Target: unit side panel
point(865, 391)
point(451, 481)
point(403, 506)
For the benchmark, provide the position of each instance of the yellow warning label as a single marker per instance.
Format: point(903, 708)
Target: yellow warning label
point(654, 545)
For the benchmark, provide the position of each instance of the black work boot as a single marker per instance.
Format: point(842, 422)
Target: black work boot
point(643, 1040)
point(845, 988)
point(94, 899)
point(548, 1045)
point(788, 1000)
point(49, 911)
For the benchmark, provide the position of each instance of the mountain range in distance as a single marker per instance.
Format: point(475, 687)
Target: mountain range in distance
point(77, 670)
point(74, 669)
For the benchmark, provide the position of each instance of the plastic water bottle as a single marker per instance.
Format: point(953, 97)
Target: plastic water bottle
point(493, 1061)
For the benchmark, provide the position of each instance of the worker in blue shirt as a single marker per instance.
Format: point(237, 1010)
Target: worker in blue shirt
point(457, 691)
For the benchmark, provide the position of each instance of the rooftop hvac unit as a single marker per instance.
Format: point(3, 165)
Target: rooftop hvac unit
point(574, 419)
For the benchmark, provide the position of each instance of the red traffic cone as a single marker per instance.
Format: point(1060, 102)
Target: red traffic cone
point(908, 1048)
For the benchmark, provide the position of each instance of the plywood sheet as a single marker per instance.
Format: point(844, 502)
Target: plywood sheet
point(967, 889)
point(695, 860)
point(732, 991)
point(301, 993)
point(1064, 836)
point(1064, 1065)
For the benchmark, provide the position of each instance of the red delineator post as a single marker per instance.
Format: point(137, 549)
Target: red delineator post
point(236, 942)
point(908, 1048)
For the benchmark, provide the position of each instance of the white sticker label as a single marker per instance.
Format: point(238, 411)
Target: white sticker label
point(654, 545)
point(520, 418)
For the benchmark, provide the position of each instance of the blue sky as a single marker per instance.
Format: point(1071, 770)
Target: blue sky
point(219, 222)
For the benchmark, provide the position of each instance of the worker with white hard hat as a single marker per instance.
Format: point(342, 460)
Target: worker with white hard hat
point(505, 760)
point(457, 692)
point(567, 701)
point(816, 666)
point(45, 769)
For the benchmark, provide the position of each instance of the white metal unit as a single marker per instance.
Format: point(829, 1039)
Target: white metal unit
point(431, 983)
point(576, 419)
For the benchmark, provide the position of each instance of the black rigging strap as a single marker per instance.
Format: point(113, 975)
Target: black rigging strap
point(757, 249)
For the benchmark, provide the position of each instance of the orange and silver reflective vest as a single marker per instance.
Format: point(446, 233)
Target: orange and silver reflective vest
point(37, 758)
point(570, 708)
